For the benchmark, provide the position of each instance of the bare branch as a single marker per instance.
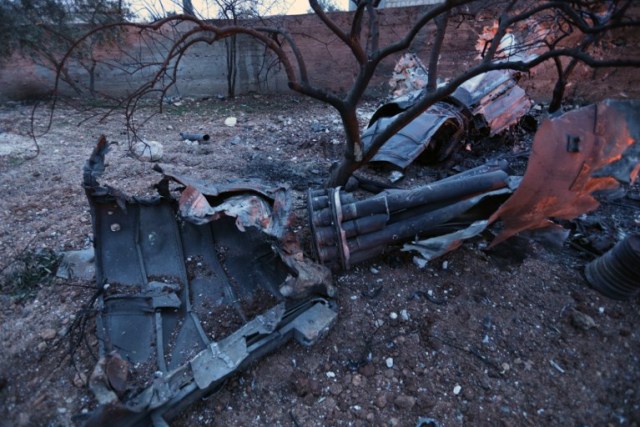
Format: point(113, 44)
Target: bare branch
point(427, 17)
point(353, 45)
point(374, 27)
point(434, 58)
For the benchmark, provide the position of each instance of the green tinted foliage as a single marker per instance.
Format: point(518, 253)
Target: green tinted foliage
point(31, 270)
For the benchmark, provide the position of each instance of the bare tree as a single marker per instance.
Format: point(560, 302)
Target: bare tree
point(44, 30)
point(544, 30)
point(233, 10)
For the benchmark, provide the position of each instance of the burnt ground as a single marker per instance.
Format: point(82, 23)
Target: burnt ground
point(511, 336)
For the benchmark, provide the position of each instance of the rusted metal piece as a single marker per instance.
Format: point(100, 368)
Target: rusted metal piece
point(616, 274)
point(437, 246)
point(347, 231)
point(491, 100)
point(496, 98)
point(266, 208)
point(193, 287)
point(582, 152)
point(432, 135)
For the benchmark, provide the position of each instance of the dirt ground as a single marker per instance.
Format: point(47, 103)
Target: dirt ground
point(510, 336)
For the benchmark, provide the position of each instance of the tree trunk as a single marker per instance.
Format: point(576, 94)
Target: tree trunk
point(558, 95)
point(561, 84)
point(353, 151)
point(434, 58)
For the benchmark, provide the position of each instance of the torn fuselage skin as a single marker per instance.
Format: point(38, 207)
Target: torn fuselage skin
point(191, 290)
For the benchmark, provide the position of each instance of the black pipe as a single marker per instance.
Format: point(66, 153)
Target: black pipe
point(395, 200)
point(401, 231)
point(365, 225)
point(616, 274)
point(448, 190)
point(502, 165)
point(202, 137)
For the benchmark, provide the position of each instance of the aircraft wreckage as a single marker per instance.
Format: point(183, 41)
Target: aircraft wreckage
point(203, 279)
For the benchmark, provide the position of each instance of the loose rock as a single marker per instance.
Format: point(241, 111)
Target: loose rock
point(79, 379)
point(404, 401)
point(148, 151)
point(48, 334)
point(357, 380)
point(580, 320)
point(381, 401)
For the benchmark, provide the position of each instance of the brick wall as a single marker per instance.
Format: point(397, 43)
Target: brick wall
point(202, 72)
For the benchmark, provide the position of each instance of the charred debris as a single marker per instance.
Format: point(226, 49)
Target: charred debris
point(205, 278)
point(192, 289)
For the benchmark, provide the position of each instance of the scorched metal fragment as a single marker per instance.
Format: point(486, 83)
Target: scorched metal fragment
point(190, 291)
point(575, 155)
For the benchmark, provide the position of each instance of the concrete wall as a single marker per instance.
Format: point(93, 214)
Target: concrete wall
point(202, 72)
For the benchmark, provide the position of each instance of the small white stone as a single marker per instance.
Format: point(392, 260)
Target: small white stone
point(393, 315)
point(374, 270)
point(230, 121)
point(331, 374)
point(149, 151)
point(404, 314)
point(445, 265)
point(389, 362)
point(456, 389)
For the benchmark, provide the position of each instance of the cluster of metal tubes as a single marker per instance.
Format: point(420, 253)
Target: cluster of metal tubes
point(347, 231)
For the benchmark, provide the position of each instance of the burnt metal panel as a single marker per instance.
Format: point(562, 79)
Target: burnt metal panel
point(573, 156)
point(412, 140)
point(493, 97)
point(187, 299)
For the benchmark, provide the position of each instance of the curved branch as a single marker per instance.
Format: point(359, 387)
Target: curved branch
point(374, 27)
point(356, 22)
point(352, 43)
point(302, 67)
point(427, 17)
point(434, 57)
